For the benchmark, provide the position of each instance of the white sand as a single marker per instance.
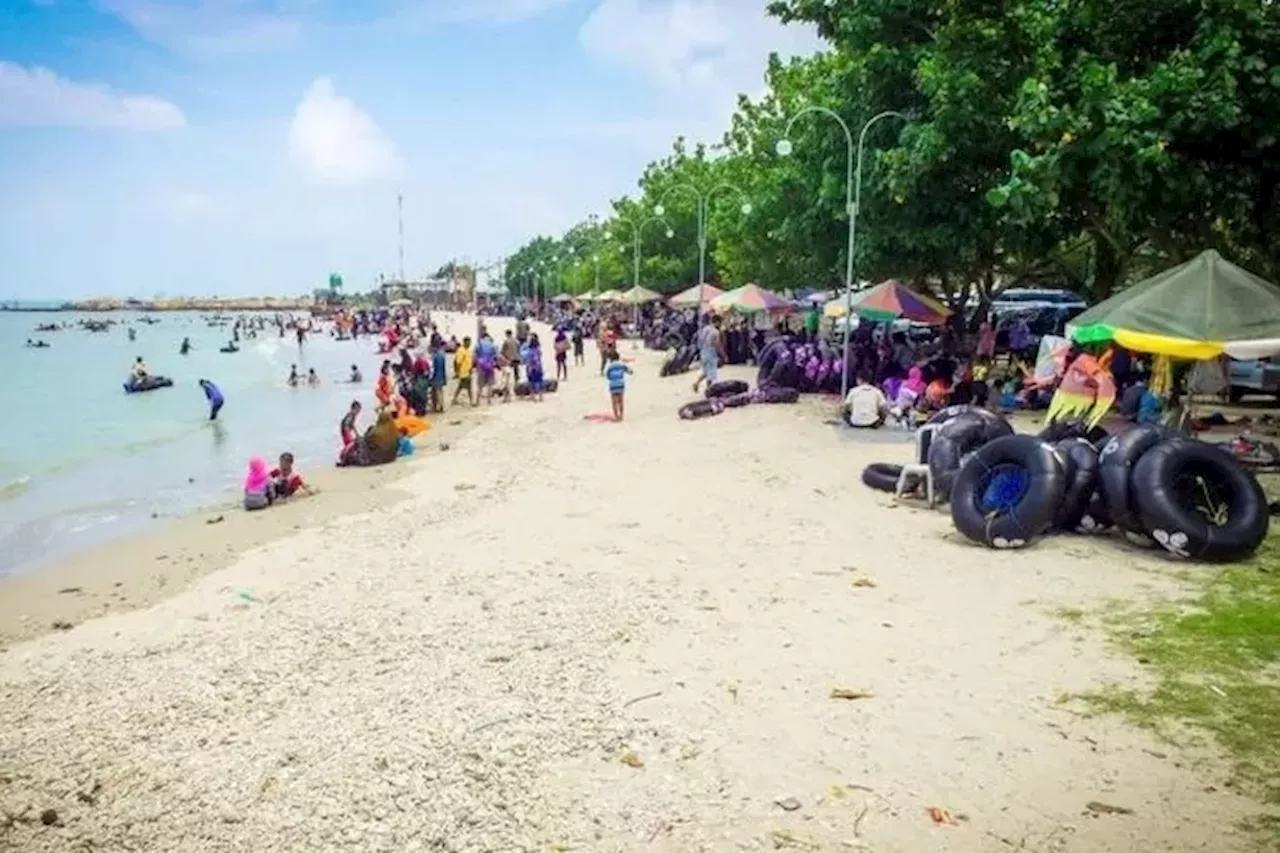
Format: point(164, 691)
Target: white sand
point(453, 673)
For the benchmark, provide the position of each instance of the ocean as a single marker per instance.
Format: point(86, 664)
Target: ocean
point(82, 462)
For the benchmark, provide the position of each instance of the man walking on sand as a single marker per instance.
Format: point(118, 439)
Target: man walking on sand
point(710, 350)
point(462, 363)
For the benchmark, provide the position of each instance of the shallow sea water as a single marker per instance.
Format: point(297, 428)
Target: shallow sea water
point(82, 462)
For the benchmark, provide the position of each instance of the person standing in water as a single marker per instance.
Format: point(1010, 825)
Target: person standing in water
point(214, 396)
point(186, 346)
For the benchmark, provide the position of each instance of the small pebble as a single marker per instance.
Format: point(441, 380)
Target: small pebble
point(48, 817)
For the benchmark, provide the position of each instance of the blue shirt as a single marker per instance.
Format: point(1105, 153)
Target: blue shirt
point(616, 373)
point(438, 367)
point(212, 393)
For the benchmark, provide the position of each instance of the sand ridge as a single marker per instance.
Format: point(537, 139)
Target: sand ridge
point(466, 669)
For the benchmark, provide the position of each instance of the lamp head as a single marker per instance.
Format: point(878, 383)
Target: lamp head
point(660, 210)
point(746, 208)
point(670, 233)
point(784, 147)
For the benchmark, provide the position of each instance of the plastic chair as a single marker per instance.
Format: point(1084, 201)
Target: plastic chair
point(919, 470)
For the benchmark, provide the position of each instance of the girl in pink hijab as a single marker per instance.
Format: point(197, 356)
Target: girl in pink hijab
point(257, 485)
point(908, 392)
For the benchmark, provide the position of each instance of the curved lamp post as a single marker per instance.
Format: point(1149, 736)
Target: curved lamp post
point(636, 231)
point(703, 201)
point(853, 199)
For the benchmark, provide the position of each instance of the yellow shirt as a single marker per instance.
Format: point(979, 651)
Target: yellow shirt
point(462, 363)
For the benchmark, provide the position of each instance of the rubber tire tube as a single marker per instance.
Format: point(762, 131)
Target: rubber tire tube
point(700, 409)
point(737, 400)
point(727, 388)
point(1080, 466)
point(1036, 508)
point(1179, 528)
point(1072, 428)
point(1116, 459)
point(997, 426)
point(957, 437)
point(777, 394)
point(881, 476)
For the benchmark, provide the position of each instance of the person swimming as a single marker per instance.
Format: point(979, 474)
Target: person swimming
point(313, 379)
point(356, 377)
point(294, 379)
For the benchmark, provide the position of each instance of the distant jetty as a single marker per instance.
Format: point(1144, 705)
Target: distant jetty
point(211, 304)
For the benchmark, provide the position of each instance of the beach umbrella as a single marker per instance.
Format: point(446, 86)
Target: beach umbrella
point(1197, 310)
point(751, 299)
point(400, 303)
point(589, 296)
point(890, 300)
point(562, 297)
point(609, 296)
point(695, 297)
point(639, 295)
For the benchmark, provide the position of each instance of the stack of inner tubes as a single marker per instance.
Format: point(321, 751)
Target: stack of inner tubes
point(1151, 484)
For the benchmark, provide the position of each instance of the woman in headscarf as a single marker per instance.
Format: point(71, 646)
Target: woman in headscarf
point(258, 492)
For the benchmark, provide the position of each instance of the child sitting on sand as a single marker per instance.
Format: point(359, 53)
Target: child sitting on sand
point(286, 480)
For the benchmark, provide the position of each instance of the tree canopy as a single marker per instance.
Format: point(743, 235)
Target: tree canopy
point(1082, 144)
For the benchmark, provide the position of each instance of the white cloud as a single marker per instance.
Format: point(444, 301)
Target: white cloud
point(701, 53)
point(37, 97)
point(211, 27)
point(503, 11)
point(338, 143)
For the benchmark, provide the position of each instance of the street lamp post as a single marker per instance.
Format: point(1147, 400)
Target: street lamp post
point(853, 200)
point(596, 258)
point(636, 232)
point(703, 202)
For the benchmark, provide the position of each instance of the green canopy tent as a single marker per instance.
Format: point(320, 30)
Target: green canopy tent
point(1198, 310)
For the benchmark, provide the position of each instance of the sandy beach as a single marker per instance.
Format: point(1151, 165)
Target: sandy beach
point(575, 636)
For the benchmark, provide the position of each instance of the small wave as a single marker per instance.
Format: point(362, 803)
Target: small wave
point(13, 488)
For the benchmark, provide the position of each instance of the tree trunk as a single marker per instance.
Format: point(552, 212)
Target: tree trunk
point(1108, 268)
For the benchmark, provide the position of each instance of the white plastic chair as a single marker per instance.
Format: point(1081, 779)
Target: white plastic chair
point(919, 470)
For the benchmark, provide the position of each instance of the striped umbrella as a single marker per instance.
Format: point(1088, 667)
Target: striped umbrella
point(891, 300)
point(695, 297)
point(751, 299)
point(609, 296)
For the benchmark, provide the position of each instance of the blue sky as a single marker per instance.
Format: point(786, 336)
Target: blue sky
point(253, 146)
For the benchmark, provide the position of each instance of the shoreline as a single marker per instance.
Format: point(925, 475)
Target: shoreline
point(139, 570)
